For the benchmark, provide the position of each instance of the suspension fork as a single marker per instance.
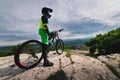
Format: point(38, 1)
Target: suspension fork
point(57, 36)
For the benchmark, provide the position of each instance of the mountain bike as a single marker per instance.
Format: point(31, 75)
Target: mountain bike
point(29, 53)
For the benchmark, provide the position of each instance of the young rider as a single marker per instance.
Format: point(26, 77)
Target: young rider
point(44, 33)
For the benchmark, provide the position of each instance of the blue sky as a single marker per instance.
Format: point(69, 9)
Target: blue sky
point(19, 19)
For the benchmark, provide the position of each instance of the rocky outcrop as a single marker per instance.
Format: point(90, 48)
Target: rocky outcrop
point(112, 61)
point(72, 67)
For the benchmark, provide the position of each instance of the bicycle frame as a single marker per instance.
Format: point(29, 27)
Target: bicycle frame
point(56, 36)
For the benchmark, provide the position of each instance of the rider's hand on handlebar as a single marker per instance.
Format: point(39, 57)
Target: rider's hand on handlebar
point(51, 35)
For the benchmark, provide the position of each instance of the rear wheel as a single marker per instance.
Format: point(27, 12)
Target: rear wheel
point(59, 46)
point(28, 54)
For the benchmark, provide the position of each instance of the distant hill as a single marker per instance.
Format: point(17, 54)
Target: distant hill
point(66, 42)
point(74, 44)
point(75, 41)
point(5, 47)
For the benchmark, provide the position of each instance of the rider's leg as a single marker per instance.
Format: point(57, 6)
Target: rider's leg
point(44, 54)
point(45, 48)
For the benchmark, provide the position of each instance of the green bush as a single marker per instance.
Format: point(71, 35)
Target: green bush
point(92, 49)
point(105, 44)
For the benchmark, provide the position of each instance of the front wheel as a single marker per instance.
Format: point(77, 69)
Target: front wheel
point(28, 54)
point(59, 46)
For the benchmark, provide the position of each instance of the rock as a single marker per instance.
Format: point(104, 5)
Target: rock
point(74, 68)
point(113, 60)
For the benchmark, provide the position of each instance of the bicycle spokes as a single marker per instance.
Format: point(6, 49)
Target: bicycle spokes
point(59, 46)
point(28, 54)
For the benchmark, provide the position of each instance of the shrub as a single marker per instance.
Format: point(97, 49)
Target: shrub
point(106, 43)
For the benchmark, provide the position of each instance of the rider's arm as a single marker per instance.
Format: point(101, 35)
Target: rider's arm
point(47, 29)
point(45, 23)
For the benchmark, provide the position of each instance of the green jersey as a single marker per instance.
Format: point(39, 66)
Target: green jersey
point(42, 29)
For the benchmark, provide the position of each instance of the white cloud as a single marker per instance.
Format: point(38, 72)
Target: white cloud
point(24, 15)
point(96, 9)
point(6, 43)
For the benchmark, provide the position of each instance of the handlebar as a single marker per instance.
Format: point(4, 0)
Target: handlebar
point(55, 34)
point(59, 30)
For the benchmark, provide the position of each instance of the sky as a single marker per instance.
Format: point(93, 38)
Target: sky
point(19, 19)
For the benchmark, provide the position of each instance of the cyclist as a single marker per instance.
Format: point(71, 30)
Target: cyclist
point(45, 34)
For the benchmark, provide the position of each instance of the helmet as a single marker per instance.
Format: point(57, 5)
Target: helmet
point(46, 11)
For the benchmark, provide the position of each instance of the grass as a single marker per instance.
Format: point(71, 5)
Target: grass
point(5, 53)
point(59, 75)
point(68, 54)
